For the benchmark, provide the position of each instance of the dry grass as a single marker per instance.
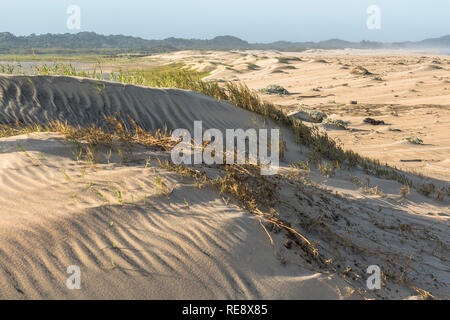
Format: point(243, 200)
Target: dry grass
point(253, 192)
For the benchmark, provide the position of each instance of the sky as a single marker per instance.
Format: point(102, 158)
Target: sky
point(259, 21)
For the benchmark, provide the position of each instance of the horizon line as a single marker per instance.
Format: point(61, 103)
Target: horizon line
point(225, 35)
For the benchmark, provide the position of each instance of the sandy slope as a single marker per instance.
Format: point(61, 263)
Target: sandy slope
point(39, 99)
point(150, 247)
point(132, 241)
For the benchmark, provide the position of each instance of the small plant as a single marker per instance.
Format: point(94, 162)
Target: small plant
point(414, 140)
point(158, 184)
point(100, 87)
point(35, 162)
point(119, 197)
point(404, 191)
point(101, 196)
point(336, 123)
point(252, 66)
point(66, 175)
point(108, 155)
point(326, 170)
point(367, 181)
point(275, 89)
point(427, 188)
point(148, 162)
point(375, 191)
point(299, 164)
point(440, 194)
point(312, 115)
point(355, 180)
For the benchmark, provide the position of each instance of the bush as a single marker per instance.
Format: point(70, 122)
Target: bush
point(275, 89)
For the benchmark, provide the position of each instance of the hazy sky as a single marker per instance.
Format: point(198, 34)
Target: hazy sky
point(252, 20)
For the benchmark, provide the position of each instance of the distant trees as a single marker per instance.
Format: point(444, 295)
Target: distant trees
point(90, 42)
point(85, 40)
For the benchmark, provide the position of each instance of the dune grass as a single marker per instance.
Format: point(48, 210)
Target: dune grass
point(18, 129)
point(175, 76)
point(288, 59)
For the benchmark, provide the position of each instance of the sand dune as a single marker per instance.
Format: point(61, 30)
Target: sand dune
point(130, 240)
point(39, 99)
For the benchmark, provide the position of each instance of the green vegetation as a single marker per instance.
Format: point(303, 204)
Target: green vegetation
point(288, 59)
point(316, 115)
point(299, 164)
point(79, 43)
point(274, 89)
point(46, 57)
point(55, 69)
point(414, 140)
point(18, 129)
point(252, 66)
point(169, 75)
point(336, 123)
